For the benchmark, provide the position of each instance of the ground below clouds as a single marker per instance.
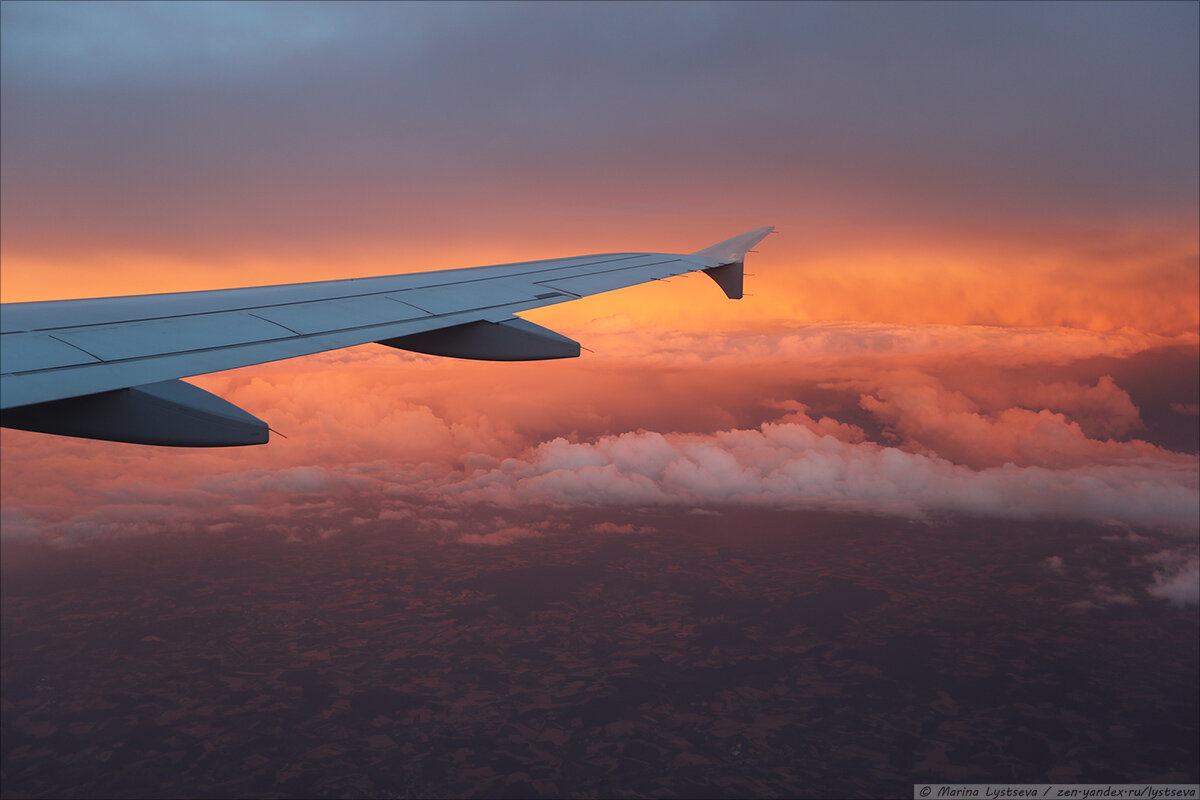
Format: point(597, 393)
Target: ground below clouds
point(786, 654)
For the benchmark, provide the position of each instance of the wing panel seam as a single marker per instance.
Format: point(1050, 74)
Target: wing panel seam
point(273, 322)
point(251, 308)
point(295, 337)
point(609, 272)
point(68, 344)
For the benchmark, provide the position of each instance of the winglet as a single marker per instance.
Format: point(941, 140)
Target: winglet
point(732, 253)
point(735, 249)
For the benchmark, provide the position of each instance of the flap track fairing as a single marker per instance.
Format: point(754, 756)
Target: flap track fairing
point(169, 413)
point(510, 340)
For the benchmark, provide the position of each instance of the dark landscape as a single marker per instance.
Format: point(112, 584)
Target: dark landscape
point(789, 654)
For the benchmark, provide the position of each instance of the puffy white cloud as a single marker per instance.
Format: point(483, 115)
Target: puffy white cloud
point(1178, 579)
point(791, 464)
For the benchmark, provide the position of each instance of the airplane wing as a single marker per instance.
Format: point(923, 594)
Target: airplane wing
point(109, 368)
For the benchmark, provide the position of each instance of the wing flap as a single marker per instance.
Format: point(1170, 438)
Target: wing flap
point(169, 413)
point(512, 339)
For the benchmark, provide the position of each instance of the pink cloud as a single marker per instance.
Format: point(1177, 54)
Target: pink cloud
point(1101, 410)
point(825, 426)
point(628, 528)
point(932, 419)
point(503, 536)
point(829, 342)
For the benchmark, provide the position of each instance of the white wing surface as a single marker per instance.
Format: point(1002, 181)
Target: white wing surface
point(109, 368)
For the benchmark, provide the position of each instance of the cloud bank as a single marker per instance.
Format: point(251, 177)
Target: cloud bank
point(796, 464)
point(923, 423)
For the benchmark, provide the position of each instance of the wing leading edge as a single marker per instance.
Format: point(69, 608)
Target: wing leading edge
point(109, 368)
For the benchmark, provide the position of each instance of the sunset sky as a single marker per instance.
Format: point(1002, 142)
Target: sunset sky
point(987, 222)
point(981, 307)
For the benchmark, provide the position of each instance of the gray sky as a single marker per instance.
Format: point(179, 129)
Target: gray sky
point(176, 124)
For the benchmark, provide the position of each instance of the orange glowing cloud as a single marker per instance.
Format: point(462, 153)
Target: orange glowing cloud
point(1141, 278)
point(374, 431)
